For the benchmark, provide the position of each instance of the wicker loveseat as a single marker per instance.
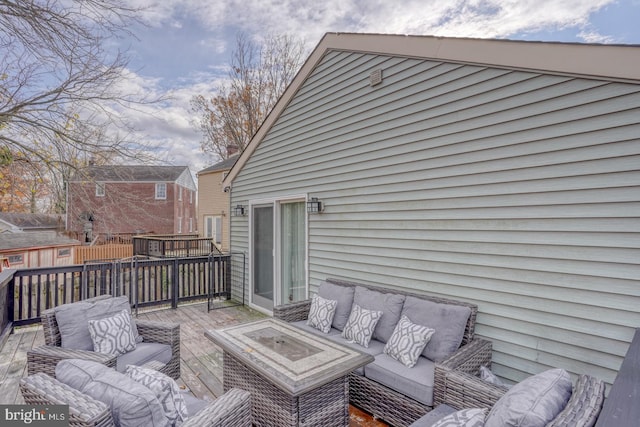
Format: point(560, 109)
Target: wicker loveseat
point(45, 358)
point(463, 390)
point(382, 400)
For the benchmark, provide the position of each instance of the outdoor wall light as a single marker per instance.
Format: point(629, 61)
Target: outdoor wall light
point(239, 210)
point(314, 205)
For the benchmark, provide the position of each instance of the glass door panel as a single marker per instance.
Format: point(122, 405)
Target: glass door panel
point(262, 256)
point(292, 252)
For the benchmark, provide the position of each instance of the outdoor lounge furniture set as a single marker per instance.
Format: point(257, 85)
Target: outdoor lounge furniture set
point(442, 387)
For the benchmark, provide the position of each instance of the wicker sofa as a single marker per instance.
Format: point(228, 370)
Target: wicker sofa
point(45, 358)
point(385, 401)
point(463, 390)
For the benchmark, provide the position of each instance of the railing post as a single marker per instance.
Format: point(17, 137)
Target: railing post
point(176, 284)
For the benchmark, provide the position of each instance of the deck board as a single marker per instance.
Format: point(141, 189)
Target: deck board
point(200, 359)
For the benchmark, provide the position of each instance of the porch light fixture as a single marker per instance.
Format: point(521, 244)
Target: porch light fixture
point(239, 210)
point(314, 205)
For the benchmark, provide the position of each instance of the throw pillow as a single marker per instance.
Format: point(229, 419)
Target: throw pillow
point(113, 335)
point(473, 417)
point(321, 313)
point(407, 341)
point(360, 326)
point(166, 390)
point(533, 402)
point(488, 376)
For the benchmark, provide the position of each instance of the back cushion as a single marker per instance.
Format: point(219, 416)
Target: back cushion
point(344, 296)
point(390, 304)
point(73, 320)
point(132, 404)
point(448, 320)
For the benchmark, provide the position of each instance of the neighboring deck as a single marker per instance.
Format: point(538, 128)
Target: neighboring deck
point(201, 360)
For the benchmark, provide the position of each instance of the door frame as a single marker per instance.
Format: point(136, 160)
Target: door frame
point(275, 202)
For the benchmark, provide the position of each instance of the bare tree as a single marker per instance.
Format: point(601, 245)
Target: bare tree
point(259, 74)
point(59, 83)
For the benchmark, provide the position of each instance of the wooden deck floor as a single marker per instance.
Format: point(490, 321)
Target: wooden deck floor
point(201, 360)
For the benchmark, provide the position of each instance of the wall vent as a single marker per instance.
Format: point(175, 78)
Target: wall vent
point(375, 78)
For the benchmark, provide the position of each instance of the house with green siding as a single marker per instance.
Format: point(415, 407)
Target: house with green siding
point(504, 173)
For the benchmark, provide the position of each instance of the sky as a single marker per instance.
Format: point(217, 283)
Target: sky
point(184, 47)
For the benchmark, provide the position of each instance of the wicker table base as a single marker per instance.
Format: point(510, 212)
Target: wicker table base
point(327, 405)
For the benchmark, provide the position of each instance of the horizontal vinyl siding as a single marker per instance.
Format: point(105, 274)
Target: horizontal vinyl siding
point(514, 190)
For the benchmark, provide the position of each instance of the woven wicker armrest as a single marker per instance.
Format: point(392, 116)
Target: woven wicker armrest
point(463, 390)
point(292, 312)
point(45, 358)
point(585, 404)
point(232, 409)
point(159, 332)
point(468, 359)
point(41, 389)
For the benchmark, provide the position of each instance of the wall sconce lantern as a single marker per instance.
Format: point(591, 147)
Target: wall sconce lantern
point(239, 210)
point(314, 205)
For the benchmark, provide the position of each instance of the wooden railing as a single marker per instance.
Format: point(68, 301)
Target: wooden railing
point(173, 246)
point(145, 282)
point(82, 254)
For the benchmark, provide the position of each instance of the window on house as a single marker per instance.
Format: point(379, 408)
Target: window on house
point(161, 190)
point(190, 225)
point(179, 225)
point(213, 229)
point(190, 197)
point(15, 259)
point(99, 189)
point(64, 252)
point(179, 194)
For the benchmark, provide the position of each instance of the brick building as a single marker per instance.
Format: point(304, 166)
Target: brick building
point(110, 200)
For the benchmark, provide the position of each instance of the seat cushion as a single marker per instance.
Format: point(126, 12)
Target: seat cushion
point(344, 296)
point(194, 405)
point(432, 417)
point(448, 320)
point(375, 348)
point(469, 417)
point(416, 382)
point(533, 402)
point(302, 324)
point(131, 403)
point(73, 320)
point(390, 304)
point(143, 353)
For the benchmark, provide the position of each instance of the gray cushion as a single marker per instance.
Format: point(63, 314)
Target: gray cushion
point(390, 304)
point(131, 403)
point(144, 352)
point(448, 320)
point(434, 416)
point(73, 320)
point(533, 402)
point(469, 417)
point(344, 296)
point(194, 405)
point(407, 341)
point(416, 382)
point(302, 324)
point(375, 348)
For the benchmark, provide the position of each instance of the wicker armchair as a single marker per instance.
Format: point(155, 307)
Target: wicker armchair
point(45, 358)
point(463, 390)
point(232, 409)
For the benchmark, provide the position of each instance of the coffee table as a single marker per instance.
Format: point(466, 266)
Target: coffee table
point(295, 378)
